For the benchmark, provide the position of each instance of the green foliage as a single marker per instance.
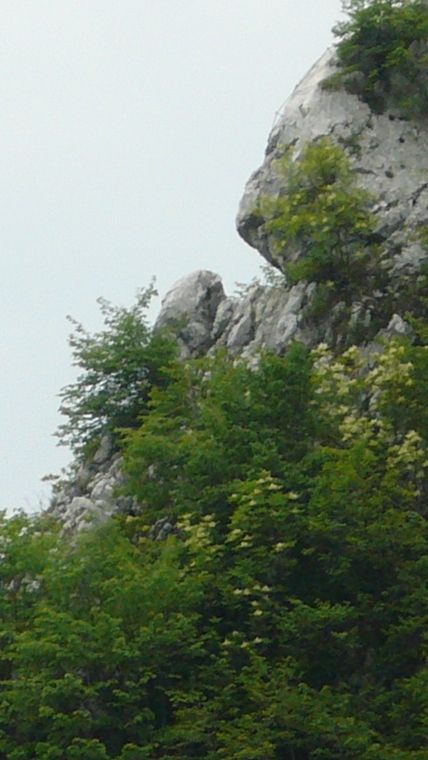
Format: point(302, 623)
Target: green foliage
point(272, 278)
point(320, 226)
point(120, 365)
point(312, 551)
point(215, 423)
point(287, 616)
point(383, 54)
point(110, 634)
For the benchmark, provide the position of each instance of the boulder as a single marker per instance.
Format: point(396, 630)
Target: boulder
point(190, 308)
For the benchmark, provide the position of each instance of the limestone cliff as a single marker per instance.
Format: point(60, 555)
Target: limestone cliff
point(389, 158)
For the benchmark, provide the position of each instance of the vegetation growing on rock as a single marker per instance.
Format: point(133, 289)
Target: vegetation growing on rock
point(320, 226)
point(320, 229)
point(383, 55)
point(119, 366)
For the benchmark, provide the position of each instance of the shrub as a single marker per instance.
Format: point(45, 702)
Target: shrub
point(120, 365)
point(321, 227)
point(383, 54)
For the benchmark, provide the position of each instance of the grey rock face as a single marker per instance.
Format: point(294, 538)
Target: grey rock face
point(162, 529)
point(397, 328)
point(389, 157)
point(264, 316)
point(89, 498)
point(192, 305)
point(223, 317)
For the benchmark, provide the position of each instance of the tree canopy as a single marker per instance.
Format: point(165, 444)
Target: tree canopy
point(285, 616)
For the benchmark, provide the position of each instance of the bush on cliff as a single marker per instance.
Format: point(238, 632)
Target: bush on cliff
point(383, 54)
point(120, 365)
point(320, 226)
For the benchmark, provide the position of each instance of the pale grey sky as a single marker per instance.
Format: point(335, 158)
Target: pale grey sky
point(128, 130)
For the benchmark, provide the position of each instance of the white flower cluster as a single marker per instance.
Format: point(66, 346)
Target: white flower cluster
point(345, 383)
point(258, 594)
point(410, 455)
point(199, 533)
point(359, 400)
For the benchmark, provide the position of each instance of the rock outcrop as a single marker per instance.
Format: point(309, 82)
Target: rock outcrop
point(389, 157)
point(390, 160)
point(88, 498)
point(192, 305)
point(264, 316)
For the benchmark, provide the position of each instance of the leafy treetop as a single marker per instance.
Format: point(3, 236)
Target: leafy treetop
point(120, 365)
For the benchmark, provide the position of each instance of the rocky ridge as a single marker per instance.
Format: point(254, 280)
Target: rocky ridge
point(390, 160)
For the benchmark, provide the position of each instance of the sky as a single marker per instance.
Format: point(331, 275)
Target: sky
point(128, 130)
